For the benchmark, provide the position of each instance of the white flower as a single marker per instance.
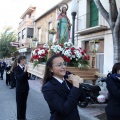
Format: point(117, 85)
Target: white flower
point(76, 59)
point(53, 47)
point(46, 46)
point(59, 48)
point(68, 44)
point(67, 53)
point(33, 52)
point(35, 60)
point(73, 56)
point(63, 51)
point(41, 52)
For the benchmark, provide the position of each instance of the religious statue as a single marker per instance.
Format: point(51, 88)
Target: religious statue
point(63, 25)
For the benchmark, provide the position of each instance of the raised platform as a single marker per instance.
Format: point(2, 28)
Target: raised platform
point(89, 74)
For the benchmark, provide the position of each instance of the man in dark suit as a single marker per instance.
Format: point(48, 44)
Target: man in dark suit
point(22, 87)
point(2, 68)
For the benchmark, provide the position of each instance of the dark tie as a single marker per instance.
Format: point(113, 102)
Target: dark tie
point(65, 84)
point(23, 68)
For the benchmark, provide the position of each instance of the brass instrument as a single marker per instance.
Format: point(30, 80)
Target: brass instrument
point(8, 72)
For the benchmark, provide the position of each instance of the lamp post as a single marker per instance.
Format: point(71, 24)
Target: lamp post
point(74, 8)
point(94, 45)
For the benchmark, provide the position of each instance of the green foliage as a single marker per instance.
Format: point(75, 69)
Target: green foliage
point(63, 40)
point(7, 36)
point(83, 64)
point(41, 61)
point(72, 63)
point(35, 63)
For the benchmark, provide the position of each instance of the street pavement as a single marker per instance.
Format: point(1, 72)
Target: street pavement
point(37, 108)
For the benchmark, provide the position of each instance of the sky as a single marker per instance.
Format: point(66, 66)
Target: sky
point(12, 10)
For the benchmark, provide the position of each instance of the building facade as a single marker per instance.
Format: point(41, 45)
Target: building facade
point(91, 26)
point(45, 22)
point(26, 31)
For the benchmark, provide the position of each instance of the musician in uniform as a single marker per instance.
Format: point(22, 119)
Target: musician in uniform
point(8, 67)
point(22, 87)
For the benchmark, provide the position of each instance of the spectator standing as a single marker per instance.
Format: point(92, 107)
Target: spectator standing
point(2, 68)
point(113, 86)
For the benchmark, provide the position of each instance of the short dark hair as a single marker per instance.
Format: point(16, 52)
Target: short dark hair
point(115, 68)
point(21, 58)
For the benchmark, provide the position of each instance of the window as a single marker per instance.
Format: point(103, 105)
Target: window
point(51, 37)
point(19, 36)
point(93, 14)
point(23, 33)
point(29, 32)
point(39, 34)
point(100, 61)
point(50, 26)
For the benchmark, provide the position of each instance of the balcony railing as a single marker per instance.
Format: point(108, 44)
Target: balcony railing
point(25, 42)
point(26, 21)
point(85, 22)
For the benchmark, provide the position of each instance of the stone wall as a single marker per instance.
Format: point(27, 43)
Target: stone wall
point(43, 23)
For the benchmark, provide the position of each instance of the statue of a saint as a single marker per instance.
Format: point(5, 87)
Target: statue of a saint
point(63, 26)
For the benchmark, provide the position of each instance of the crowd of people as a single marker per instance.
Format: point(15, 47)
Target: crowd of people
point(61, 94)
point(17, 76)
point(7, 67)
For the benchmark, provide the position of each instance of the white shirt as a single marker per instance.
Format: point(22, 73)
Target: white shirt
point(21, 66)
point(61, 81)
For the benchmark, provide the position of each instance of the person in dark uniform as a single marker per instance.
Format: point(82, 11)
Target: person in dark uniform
point(61, 94)
point(2, 68)
point(8, 67)
point(113, 85)
point(12, 76)
point(22, 87)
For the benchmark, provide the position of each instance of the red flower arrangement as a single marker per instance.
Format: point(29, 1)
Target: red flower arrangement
point(39, 55)
point(72, 55)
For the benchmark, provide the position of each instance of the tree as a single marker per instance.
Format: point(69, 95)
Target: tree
point(7, 36)
point(113, 19)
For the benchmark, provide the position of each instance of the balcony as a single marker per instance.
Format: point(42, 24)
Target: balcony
point(26, 22)
point(87, 26)
point(25, 43)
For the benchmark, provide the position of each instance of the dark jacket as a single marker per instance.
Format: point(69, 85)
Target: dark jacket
point(113, 86)
point(8, 68)
point(62, 101)
point(12, 79)
point(12, 76)
point(21, 80)
point(2, 65)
